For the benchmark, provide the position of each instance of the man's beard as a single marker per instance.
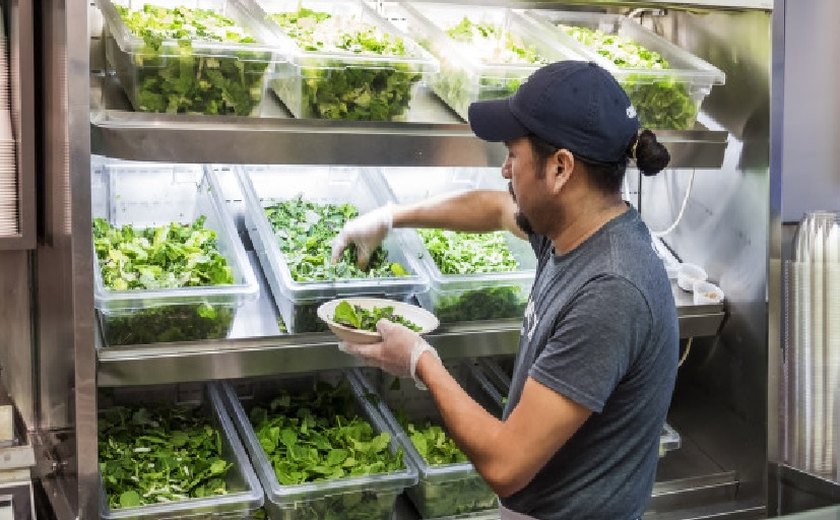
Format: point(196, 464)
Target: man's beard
point(521, 219)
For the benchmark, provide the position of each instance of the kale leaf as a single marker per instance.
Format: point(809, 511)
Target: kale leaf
point(304, 231)
point(155, 455)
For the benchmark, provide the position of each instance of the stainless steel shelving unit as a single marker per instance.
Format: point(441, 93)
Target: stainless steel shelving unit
point(256, 348)
point(431, 136)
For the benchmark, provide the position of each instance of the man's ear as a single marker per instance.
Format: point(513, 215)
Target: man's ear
point(559, 168)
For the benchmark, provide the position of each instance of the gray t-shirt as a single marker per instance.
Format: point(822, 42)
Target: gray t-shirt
point(601, 329)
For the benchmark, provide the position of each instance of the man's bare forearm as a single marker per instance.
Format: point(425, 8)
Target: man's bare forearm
point(476, 211)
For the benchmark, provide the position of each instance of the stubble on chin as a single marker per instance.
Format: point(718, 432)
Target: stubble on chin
point(521, 219)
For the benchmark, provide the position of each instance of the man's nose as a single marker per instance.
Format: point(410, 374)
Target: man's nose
point(506, 169)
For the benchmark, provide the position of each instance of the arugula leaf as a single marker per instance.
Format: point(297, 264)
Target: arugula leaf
point(179, 80)
point(467, 253)
point(155, 455)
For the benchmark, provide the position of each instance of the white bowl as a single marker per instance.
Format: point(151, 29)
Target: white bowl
point(421, 317)
point(706, 293)
point(688, 274)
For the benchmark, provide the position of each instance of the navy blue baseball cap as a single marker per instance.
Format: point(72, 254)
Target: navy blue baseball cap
point(575, 105)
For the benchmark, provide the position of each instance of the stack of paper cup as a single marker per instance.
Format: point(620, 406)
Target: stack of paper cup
point(8, 163)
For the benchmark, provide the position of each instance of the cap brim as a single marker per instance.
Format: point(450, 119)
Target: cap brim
point(493, 120)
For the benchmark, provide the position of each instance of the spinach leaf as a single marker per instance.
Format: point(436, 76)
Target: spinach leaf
point(439, 497)
point(360, 318)
point(314, 436)
point(661, 102)
point(340, 89)
point(155, 455)
point(164, 78)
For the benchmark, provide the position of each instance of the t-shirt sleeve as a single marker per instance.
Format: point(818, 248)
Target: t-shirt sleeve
point(595, 339)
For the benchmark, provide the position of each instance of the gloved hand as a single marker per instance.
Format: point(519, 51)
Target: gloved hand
point(397, 353)
point(366, 231)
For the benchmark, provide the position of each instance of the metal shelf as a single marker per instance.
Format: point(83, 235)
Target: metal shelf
point(432, 135)
point(256, 346)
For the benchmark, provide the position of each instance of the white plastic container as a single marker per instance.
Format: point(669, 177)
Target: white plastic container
point(298, 301)
point(369, 496)
point(664, 98)
point(192, 76)
point(706, 293)
point(443, 491)
point(688, 274)
point(331, 82)
point(245, 495)
point(153, 194)
point(467, 73)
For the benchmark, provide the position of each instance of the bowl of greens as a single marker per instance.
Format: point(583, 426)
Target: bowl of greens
point(354, 319)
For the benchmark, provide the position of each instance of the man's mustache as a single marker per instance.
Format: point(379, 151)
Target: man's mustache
point(510, 189)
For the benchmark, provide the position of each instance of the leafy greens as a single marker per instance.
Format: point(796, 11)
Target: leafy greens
point(360, 318)
point(163, 257)
point(314, 436)
point(660, 101)
point(339, 88)
point(180, 78)
point(156, 455)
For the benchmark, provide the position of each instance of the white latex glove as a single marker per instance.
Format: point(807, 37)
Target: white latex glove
point(397, 353)
point(366, 231)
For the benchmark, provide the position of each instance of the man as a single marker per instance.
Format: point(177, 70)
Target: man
point(598, 351)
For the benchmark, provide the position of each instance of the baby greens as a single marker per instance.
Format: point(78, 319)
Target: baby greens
point(166, 77)
point(154, 455)
point(341, 88)
point(439, 497)
point(314, 436)
point(360, 318)
point(660, 101)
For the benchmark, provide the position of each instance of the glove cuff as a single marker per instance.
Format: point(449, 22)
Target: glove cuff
point(388, 215)
point(419, 348)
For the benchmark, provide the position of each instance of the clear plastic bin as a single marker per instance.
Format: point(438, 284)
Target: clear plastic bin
point(201, 77)
point(443, 491)
point(468, 297)
point(154, 194)
point(333, 83)
point(299, 301)
point(664, 99)
point(499, 370)
point(465, 74)
point(245, 496)
point(370, 496)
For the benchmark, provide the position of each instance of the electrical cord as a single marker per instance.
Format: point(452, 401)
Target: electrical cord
point(685, 353)
point(682, 208)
